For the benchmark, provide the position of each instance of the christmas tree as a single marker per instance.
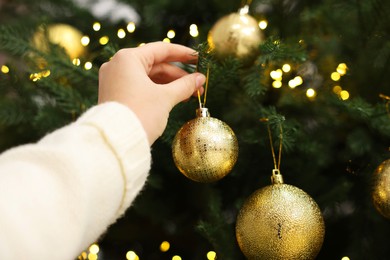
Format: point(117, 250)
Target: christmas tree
point(317, 80)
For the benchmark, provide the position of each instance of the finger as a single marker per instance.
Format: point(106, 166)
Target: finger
point(182, 88)
point(164, 73)
point(162, 52)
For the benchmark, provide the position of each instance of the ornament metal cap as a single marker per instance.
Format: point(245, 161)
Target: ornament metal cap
point(203, 112)
point(276, 177)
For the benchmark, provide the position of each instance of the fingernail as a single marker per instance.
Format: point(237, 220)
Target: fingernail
point(200, 80)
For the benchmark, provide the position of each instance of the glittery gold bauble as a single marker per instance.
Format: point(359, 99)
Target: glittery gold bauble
point(205, 149)
point(280, 221)
point(236, 34)
point(381, 189)
point(64, 35)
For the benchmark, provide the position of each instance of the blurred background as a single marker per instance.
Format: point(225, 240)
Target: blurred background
point(320, 70)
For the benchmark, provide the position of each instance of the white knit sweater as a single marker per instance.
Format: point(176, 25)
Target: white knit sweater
point(59, 195)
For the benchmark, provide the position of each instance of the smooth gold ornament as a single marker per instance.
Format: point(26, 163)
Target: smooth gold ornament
point(381, 189)
point(237, 34)
point(280, 221)
point(205, 149)
point(64, 35)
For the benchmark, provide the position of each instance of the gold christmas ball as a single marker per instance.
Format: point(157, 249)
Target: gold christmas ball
point(236, 34)
point(381, 189)
point(205, 149)
point(64, 35)
point(280, 221)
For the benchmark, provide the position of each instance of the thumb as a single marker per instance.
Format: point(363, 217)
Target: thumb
point(182, 88)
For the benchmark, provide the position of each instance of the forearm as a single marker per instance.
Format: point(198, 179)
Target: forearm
point(63, 192)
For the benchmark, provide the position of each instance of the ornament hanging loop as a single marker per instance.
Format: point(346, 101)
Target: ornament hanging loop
point(276, 177)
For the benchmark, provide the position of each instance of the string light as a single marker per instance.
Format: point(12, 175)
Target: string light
point(311, 93)
point(4, 69)
point(345, 258)
point(171, 34)
point(342, 69)
point(344, 95)
point(337, 89)
point(176, 257)
point(76, 61)
point(164, 247)
point(277, 84)
point(335, 76)
point(94, 249)
point(85, 40)
point(293, 83)
point(263, 24)
point(121, 34)
point(194, 30)
point(92, 256)
point(276, 74)
point(166, 40)
point(286, 67)
point(211, 255)
point(39, 75)
point(130, 27)
point(104, 40)
point(96, 26)
point(88, 65)
point(131, 255)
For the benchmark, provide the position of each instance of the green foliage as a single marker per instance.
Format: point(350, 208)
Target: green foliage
point(330, 146)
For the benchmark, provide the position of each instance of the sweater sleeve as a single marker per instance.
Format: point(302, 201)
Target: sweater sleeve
point(59, 195)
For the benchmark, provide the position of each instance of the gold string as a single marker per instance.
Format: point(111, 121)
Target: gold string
point(201, 105)
point(276, 163)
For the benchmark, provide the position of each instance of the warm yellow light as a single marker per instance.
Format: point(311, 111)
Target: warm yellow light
point(277, 84)
point(276, 74)
point(131, 255)
point(344, 95)
point(92, 256)
point(335, 76)
point(104, 40)
point(311, 93)
point(121, 34)
point(83, 255)
point(130, 27)
point(211, 255)
point(295, 82)
point(342, 69)
point(96, 26)
point(141, 44)
point(45, 73)
point(166, 40)
point(345, 258)
point(263, 24)
point(337, 89)
point(4, 69)
point(286, 67)
point(35, 76)
point(76, 61)
point(94, 249)
point(88, 65)
point(164, 247)
point(298, 80)
point(194, 30)
point(85, 40)
point(176, 257)
point(342, 66)
point(171, 34)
